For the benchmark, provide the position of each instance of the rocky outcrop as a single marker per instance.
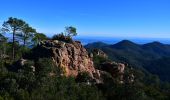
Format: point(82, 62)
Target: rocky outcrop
point(115, 69)
point(100, 53)
point(71, 57)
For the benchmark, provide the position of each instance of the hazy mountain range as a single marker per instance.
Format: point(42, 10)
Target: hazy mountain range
point(112, 40)
point(153, 57)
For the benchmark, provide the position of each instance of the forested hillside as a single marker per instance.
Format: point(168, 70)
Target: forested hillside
point(36, 67)
point(152, 57)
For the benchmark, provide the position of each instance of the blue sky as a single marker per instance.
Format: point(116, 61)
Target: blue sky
point(107, 18)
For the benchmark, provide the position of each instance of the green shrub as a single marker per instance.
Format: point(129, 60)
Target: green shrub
point(63, 38)
point(83, 77)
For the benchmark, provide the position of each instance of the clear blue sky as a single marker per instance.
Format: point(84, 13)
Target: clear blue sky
point(112, 18)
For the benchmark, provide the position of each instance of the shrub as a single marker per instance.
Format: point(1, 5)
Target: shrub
point(63, 38)
point(83, 77)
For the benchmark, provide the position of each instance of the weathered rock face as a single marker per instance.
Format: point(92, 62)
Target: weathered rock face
point(71, 57)
point(115, 69)
point(100, 53)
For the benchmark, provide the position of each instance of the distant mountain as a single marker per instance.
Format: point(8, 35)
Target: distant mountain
point(157, 48)
point(96, 44)
point(126, 44)
point(153, 57)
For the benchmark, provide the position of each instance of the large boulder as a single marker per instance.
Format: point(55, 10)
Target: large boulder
point(115, 69)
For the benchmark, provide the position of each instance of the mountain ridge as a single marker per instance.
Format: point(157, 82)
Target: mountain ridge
point(129, 41)
point(139, 55)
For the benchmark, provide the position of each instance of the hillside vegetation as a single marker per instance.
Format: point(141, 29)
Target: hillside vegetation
point(35, 67)
point(152, 57)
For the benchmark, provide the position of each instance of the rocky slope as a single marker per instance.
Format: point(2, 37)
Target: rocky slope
point(74, 59)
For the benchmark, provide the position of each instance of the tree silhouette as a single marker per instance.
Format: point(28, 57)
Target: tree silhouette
point(70, 31)
point(27, 33)
point(14, 26)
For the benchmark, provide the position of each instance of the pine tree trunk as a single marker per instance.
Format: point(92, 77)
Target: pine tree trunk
point(24, 40)
point(13, 45)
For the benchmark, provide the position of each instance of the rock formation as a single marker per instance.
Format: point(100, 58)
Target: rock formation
point(71, 57)
point(115, 69)
point(100, 53)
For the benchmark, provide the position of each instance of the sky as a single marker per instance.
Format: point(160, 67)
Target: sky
point(93, 18)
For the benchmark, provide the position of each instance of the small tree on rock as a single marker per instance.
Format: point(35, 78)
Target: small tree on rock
point(70, 31)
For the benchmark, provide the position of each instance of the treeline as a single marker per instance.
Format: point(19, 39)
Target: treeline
point(22, 33)
point(23, 37)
